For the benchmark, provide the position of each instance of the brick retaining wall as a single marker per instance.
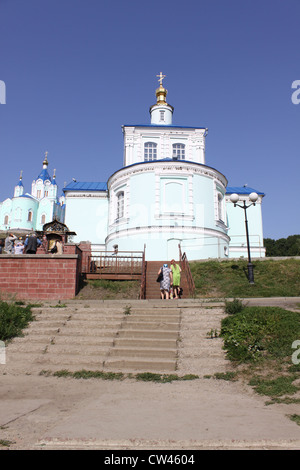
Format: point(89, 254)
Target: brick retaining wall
point(40, 276)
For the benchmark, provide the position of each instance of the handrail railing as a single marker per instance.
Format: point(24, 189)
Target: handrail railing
point(143, 277)
point(129, 262)
point(187, 270)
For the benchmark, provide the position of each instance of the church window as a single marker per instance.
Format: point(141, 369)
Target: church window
point(38, 194)
point(220, 206)
point(29, 219)
point(150, 152)
point(6, 220)
point(46, 193)
point(178, 152)
point(120, 205)
point(162, 116)
point(43, 219)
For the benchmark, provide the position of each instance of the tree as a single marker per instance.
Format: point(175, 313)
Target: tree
point(289, 246)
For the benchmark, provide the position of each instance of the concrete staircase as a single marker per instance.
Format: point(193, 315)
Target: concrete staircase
point(94, 336)
point(153, 287)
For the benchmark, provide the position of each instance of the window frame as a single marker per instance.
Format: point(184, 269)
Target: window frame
point(179, 149)
point(120, 205)
point(150, 149)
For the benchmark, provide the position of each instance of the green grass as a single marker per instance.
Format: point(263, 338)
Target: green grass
point(258, 333)
point(295, 418)
point(113, 286)
point(13, 319)
point(96, 374)
point(228, 279)
point(258, 341)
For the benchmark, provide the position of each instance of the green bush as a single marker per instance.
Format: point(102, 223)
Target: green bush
point(234, 306)
point(13, 319)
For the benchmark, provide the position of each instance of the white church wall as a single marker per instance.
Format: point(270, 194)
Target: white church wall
point(27, 207)
point(237, 230)
point(87, 215)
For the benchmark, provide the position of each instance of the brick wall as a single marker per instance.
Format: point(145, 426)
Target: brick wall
point(40, 276)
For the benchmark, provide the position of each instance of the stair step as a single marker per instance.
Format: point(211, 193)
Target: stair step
point(129, 364)
point(152, 325)
point(149, 334)
point(68, 359)
point(145, 342)
point(155, 310)
point(152, 319)
point(138, 352)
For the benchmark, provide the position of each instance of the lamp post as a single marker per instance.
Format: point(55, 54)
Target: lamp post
point(253, 198)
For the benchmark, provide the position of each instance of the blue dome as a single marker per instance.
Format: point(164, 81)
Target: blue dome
point(44, 175)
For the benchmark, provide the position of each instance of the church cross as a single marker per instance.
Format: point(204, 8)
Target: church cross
point(161, 77)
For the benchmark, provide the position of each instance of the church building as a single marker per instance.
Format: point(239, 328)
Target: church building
point(24, 212)
point(164, 195)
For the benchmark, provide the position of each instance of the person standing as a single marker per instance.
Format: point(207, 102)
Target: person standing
point(19, 247)
point(31, 244)
point(165, 283)
point(176, 275)
point(9, 243)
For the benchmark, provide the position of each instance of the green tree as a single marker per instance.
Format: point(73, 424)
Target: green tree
point(289, 246)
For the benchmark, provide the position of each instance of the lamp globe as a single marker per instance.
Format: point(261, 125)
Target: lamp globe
point(253, 197)
point(234, 198)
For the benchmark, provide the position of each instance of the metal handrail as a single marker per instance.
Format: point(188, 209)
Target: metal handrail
point(187, 270)
point(143, 277)
point(116, 262)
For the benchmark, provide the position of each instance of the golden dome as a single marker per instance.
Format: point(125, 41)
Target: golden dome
point(161, 94)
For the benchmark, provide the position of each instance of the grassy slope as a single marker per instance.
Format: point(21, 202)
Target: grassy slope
point(273, 278)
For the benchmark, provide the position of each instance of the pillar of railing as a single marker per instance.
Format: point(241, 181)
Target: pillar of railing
point(143, 276)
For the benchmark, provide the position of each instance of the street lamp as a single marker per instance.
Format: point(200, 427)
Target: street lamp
point(253, 198)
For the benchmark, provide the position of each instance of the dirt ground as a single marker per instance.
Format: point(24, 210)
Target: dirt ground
point(46, 413)
point(88, 292)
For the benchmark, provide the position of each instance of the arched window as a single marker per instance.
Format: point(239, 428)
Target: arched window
point(29, 219)
point(178, 152)
point(220, 206)
point(43, 219)
point(150, 151)
point(120, 205)
point(6, 220)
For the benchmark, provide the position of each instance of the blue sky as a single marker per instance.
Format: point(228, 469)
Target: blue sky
point(75, 71)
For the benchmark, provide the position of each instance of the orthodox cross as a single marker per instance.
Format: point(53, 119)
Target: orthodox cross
point(161, 77)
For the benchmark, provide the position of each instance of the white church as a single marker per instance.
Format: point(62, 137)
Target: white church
point(164, 195)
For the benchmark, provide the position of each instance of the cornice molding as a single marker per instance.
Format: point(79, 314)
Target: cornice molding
point(196, 231)
point(168, 166)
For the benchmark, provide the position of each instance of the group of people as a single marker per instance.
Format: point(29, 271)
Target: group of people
point(170, 281)
point(18, 246)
